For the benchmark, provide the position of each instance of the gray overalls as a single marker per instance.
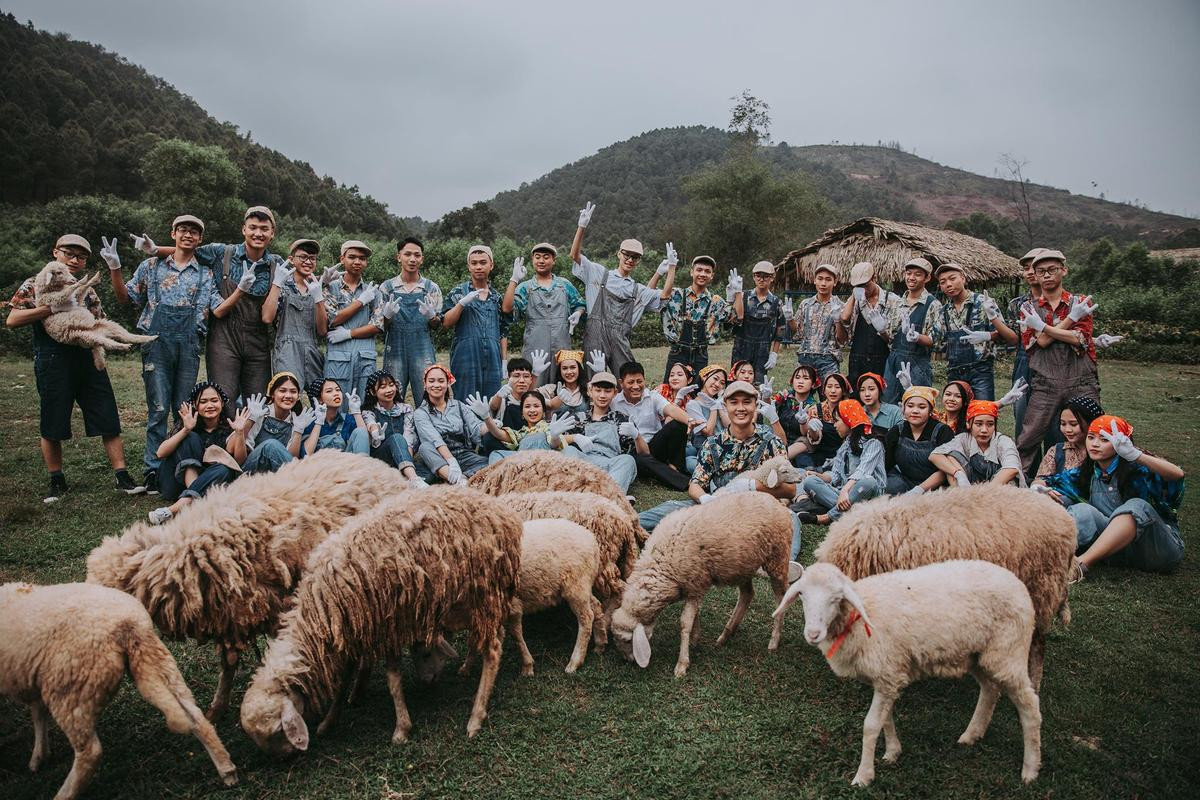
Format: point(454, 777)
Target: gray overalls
point(352, 361)
point(546, 325)
point(296, 349)
point(610, 325)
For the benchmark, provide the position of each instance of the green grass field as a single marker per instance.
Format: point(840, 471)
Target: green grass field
point(1121, 696)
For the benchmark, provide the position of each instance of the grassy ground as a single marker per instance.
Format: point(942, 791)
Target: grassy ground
point(1121, 697)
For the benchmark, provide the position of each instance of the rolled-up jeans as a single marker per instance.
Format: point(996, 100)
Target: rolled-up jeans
point(394, 450)
point(826, 494)
point(1156, 547)
point(268, 456)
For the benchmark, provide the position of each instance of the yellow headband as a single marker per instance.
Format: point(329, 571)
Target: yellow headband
point(926, 393)
point(569, 355)
point(276, 377)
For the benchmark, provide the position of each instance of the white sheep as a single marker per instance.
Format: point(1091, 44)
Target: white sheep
point(939, 620)
point(723, 542)
point(770, 473)
point(64, 650)
point(559, 563)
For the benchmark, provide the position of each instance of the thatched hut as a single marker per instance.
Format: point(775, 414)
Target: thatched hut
point(888, 245)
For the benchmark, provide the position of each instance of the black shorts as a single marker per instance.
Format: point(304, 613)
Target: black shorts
point(68, 376)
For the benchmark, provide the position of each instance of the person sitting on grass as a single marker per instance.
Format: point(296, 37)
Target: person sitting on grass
point(189, 468)
point(603, 436)
point(955, 398)
point(794, 406)
point(505, 404)
point(569, 394)
point(834, 390)
point(333, 428)
point(883, 416)
point(980, 454)
point(663, 424)
point(1125, 502)
point(447, 431)
point(1073, 421)
point(857, 471)
point(907, 446)
point(708, 409)
point(276, 431)
point(390, 425)
point(534, 433)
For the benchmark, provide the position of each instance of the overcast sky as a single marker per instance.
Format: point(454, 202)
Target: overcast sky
point(430, 106)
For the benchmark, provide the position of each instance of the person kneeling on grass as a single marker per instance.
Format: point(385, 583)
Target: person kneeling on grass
point(858, 467)
point(275, 429)
point(333, 428)
point(979, 454)
point(190, 464)
point(1125, 501)
point(535, 433)
point(390, 425)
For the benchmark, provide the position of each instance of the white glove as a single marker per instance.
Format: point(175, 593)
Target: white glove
point(338, 335)
point(685, 391)
point(1014, 394)
point(672, 255)
point(990, 309)
point(540, 361)
point(330, 275)
point(247, 281)
point(391, 308)
point(977, 337)
point(910, 333)
point(374, 431)
point(453, 472)
point(479, 407)
point(769, 412)
point(573, 320)
point(764, 388)
point(282, 273)
point(663, 266)
point(416, 483)
point(961, 478)
point(256, 404)
point(1031, 320)
point(427, 308)
point(789, 310)
point(878, 321)
point(772, 359)
point(704, 498)
point(320, 410)
point(584, 443)
point(315, 288)
point(353, 402)
point(144, 243)
point(815, 425)
point(1083, 307)
point(469, 297)
point(628, 430)
point(904, 375)
point(109, 253)
point(367, 295)
point(1107, 340)
point(733, 286)
point(304, 419)
point(585, 214)
point(740, 485)
point(859, 294)
point(1124, 445)
point(596, 361)
point(560, 425)
point(916, 490)
point(519, 272)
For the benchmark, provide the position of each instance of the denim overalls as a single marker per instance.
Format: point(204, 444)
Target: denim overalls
point(408, 345)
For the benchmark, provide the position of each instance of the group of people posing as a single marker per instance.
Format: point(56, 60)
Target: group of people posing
point(879, 428)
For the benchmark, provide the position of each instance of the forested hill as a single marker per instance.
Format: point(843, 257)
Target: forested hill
point(79, 119)
point(636, 187)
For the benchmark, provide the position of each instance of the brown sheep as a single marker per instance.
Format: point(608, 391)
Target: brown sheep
point(396, 576)
point(1016, 528)
point(221, 570)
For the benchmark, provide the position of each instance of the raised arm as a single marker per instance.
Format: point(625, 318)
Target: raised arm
point(585, 218)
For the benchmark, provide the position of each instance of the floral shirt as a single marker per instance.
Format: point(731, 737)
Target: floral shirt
point(705, 309)
point(904, 308)
point(400, 418)
point(1164, 496)
point(521, 295)
point(1072, 457)
point(162, 280)
point(970, 317)
point(338, 296)
point(515, 435)
point(886, 303)
point(793, 412)
point(723, 457)
point(815, 327)
point(24, 299)
point(1053, 316)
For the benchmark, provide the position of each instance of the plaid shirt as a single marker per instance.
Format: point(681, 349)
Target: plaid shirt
point(1052, 316)
point(723, 458)
point(771, 308)
point(814, 327)
point(177, 285)
point(705, 308)
point(24, 299)
point(903, 309)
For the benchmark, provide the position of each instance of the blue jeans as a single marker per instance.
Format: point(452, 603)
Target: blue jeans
point(978, 374)
point(394, 450)
point(359, 442)
point(825, 365)
point(621, 468)
point(469, 461)
point(1156, 547)
point(169, 367)
point(922, 374)
point(825, 494)
point(650, 518)
point(266, 457)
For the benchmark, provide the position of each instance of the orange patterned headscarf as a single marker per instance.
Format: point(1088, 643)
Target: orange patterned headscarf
point(853, 414)
point(982, 408)
point(449, 374)
point(1105, 422)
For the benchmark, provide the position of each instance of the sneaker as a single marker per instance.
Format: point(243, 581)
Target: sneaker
point(58, 487)
point(151, 482)
point(808, 518)
point(417, 483)
point(160, 515)
point(126, 484)
point(794, 571)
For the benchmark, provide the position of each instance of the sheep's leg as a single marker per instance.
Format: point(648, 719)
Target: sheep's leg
point(395, 683)
point(581, 604)
point(170, 695)
point(41, 734)
point(516, 629)
point(358, 689)
point(339, 700)
point(989, 692)
point(779, 588)
point(1020, 691)
point(687, 618)
point(1037, 652)
point(599, 631)
point(229, 663)
point(745, 596)
point(79, 724)
point(892, 750)
point(881, 709)
point(610, 605)
point(487, 679)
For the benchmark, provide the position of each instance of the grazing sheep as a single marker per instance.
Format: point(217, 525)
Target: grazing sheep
point(221, 570)
point(396, 576)
point(940, 620)
point(1024, 531)
point(770, 473)
point(78, 326)
point(559, 563)
point(64, 650)
point(723, 542)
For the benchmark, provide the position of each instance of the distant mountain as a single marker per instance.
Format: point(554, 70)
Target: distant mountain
point(635, 185)
point(78, 120)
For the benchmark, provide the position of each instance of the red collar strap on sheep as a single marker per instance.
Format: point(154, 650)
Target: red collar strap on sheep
point(837, 643)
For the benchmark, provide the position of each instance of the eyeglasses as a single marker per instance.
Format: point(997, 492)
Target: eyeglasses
point(1046, 271)
point(304, 258)
point(74, 255)
point(628, 256)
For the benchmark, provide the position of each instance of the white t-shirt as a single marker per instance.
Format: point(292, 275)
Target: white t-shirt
point(647, 415)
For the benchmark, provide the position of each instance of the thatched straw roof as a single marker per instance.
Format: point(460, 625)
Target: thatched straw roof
point(888, 245)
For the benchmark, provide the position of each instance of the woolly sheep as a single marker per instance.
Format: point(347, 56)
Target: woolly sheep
point(723, 542)
point(770, 473)
point(222, 569)
point(397, 575)
point(64, 650)
point(939, 620)
point(559, 563)
point(77, 325)
point(1024, 531)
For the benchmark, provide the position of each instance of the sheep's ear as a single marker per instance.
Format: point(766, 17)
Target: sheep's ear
point(772, 479)
point(789, 597)
point(641, 646)
point(294, 727)
point(445, 648)
point(851, 597)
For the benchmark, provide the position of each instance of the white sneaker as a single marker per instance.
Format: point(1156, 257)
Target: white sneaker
point(417, 483)
point(160, 515)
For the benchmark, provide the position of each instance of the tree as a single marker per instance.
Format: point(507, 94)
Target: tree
point(749, 122)
point(477, 222)
point(999, 233)
point(1018, 192)
point(186, 178)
